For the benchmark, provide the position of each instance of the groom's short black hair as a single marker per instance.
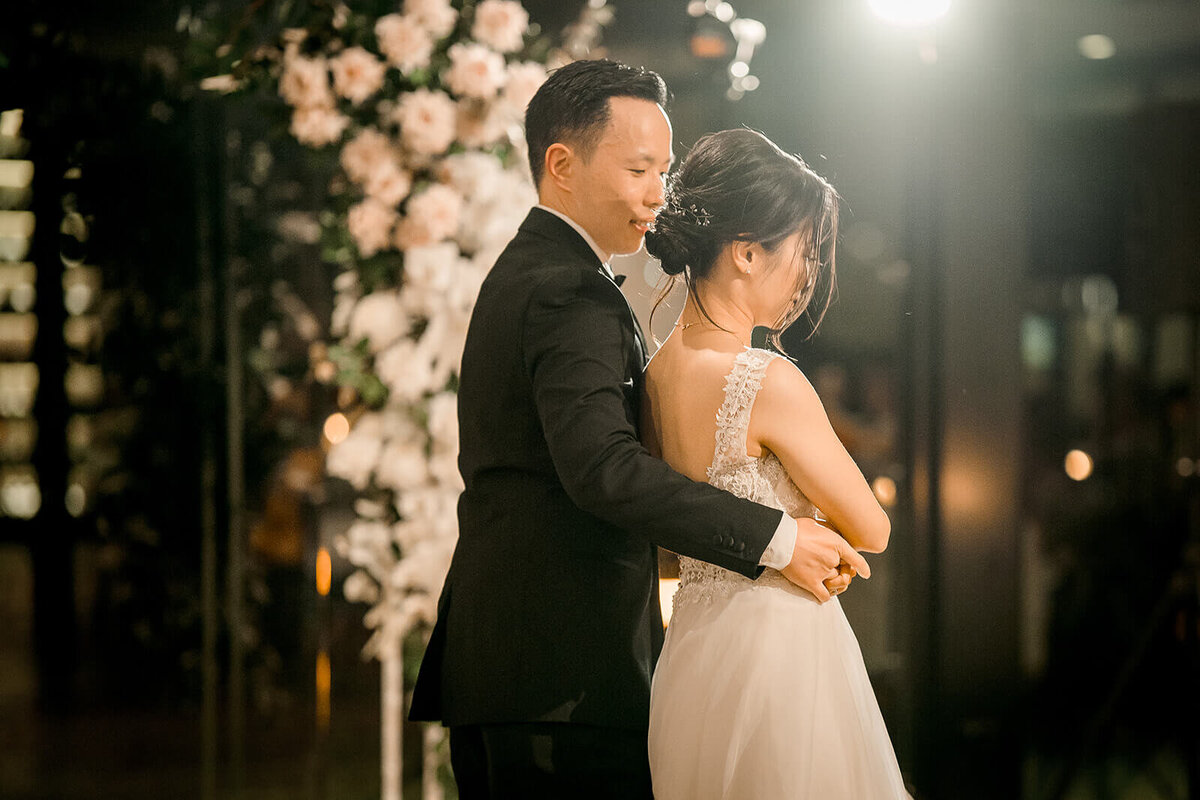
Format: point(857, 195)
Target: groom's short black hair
point(572, 105)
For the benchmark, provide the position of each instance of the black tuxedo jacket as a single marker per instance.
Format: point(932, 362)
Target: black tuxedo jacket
point(550, 608)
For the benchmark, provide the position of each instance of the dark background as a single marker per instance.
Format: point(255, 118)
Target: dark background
point(1018, 278)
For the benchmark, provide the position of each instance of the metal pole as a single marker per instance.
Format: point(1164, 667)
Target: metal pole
point(208, 466)
point(236, 566)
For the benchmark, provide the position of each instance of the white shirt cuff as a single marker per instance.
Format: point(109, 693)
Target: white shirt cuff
point(779, 552)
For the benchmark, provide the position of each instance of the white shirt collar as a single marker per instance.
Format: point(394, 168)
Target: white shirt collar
point(600, 254)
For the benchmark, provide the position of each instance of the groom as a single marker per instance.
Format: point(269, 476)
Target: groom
point(548, 625)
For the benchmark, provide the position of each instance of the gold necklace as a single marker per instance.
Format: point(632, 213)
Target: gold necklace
point(687, 325)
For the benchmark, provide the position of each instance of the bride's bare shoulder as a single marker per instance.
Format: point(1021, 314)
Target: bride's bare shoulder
point(785, 391)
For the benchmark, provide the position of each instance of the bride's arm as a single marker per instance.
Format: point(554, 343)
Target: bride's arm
point(789, 420)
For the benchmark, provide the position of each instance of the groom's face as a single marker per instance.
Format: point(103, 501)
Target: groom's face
point(618, 189)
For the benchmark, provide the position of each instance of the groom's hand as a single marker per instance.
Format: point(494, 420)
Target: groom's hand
point(819, 556)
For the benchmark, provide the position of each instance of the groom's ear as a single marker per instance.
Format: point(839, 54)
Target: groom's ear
point(560, 164)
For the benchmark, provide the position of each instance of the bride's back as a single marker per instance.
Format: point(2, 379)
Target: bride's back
point(684, 389)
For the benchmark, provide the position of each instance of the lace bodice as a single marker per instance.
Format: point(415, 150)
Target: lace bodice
point(761, 479)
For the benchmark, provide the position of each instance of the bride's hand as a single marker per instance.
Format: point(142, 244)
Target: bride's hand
point(840, 582)
point(818, 556)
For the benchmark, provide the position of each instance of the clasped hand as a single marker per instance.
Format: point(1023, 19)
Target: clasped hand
point(822, 561)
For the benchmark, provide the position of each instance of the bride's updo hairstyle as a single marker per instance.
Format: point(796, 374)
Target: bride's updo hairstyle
point(737, 185)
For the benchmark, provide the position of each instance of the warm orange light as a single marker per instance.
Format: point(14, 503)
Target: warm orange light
point(885, 490)
point(324, 682)
point(337, 428)
point(666, 594)
point(324, 572)
point(1078, 465)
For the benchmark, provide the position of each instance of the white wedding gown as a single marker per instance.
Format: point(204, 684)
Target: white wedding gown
point(761, 692)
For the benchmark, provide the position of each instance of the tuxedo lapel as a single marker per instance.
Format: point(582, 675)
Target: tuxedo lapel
point(637, 328)
point(540, 222)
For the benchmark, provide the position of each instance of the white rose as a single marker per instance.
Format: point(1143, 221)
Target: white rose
point(405, 43)
point(500, 24)
point(402, 466)
point(474, 174)
point(427, 120)
point(475, 71)
point(443, 466)
point(356, 74)
point(435, 15)
point(354, 459)
point(443, 342)
point(317, 126)
point(346, 282)
point(432, 267)
point(370, 223)
point(490, 220)
point(360, 588)
point(432, 507)
point(343, 310)
point(380, 319)
point(443, 420)
point(406, 371)
point(368, 544)
point(305, 83)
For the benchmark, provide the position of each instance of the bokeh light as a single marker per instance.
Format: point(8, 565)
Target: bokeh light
point(1078, 465)
point(324, 572)
point(885, 490)
point(337, 428)
point(1097, 46)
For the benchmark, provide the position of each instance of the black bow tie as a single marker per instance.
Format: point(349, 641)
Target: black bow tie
point(618, 279)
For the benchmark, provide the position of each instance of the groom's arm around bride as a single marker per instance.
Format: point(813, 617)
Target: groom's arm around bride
point(548, 625)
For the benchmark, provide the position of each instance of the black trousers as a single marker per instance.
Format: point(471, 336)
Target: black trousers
point(549, 761)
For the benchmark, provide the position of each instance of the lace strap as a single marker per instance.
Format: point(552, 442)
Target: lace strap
point(733, 419)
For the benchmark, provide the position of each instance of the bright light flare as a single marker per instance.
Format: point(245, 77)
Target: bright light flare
point(666, 597)
point(1097, 47)
point(910, 12)
point(1078, 465)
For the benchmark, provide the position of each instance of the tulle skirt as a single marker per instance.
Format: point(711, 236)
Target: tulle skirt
point(763, 695)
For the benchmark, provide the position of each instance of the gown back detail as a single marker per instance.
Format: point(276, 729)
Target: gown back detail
point(761, 479)
point(761, 692)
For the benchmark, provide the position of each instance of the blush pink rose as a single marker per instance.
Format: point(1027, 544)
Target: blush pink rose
point(305, 82)
point(389, 184)
point(501, 24)
point(370, 224)
point(366, 153)
point(427, 121)
point(480, 124)
point(404, 42)
point(475, 71)
point(436, 16)
point(430, 217)
point(356, 74)
point(524, 79)
point(317, 126)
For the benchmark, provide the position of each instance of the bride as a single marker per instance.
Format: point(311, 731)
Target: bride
point(760, 692)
